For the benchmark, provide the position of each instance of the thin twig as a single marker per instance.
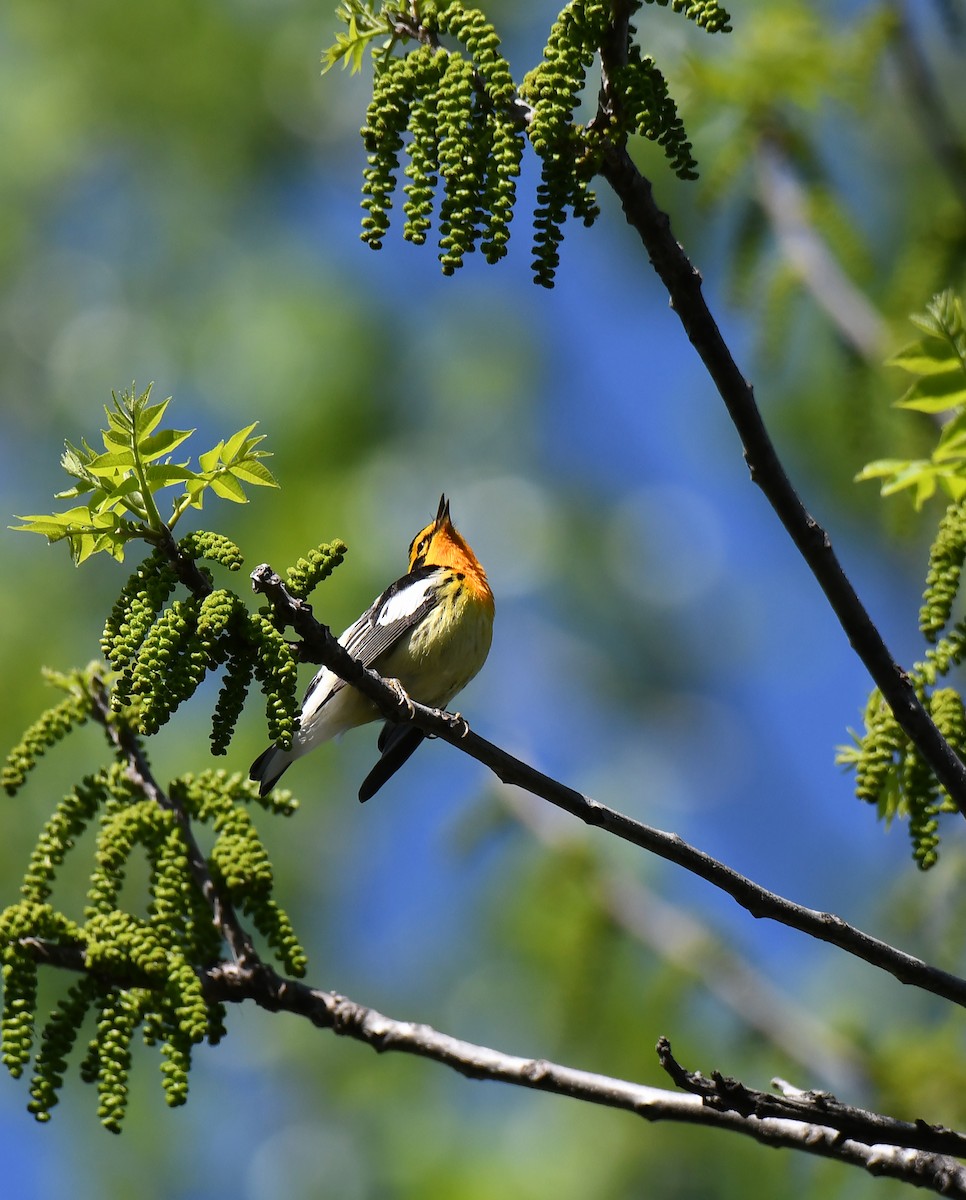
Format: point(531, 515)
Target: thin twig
point(731, 1095)
point(139, 772)
point(319, 645)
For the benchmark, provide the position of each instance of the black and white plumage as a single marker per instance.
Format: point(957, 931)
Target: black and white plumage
point(430, 630)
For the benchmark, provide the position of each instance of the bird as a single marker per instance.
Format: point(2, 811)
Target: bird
point(429, 632)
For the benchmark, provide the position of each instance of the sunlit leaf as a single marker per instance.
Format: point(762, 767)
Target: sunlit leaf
point(229, 488)
point(161, 443)
point(936, 393)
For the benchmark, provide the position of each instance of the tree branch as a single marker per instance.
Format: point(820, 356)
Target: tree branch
point(683, 284)
point(319, 645)
point(909, 1161)
point(139, 772)
point(730, 1095)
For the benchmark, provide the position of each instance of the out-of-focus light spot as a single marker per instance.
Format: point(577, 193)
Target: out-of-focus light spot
point(666, 545)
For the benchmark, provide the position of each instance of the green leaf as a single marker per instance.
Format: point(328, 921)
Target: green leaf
point(228, 487)
point(163, 475)
point(164, 442)
point(936, 393)
point(211, 458)
point(237, 442)
point(150, 418)
point(254, 472)
point(927, 357)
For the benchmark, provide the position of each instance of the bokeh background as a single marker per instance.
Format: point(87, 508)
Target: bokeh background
point(179, 203)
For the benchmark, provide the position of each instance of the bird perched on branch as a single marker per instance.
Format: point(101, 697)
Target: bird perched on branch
point(430, 630)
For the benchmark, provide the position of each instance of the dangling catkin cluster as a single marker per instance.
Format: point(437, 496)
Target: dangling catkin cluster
point(162, 654)
point(456, 115)
point(889, 771)
point(456, 111)
point(945, 569)
point(144, 968)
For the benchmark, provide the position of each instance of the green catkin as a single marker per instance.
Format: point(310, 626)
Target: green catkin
point(920, 791)
point(707, 14)
point(122, 828)
point(49, 728)
point(946, 558)
point(423, 148)
point(277, 673)
point(120, 1016)
point(650, 111)
point(459, 215)
point(60, 834)
point(231, 700)
point(19, 1009)
point(273, 923)
point(56, 1043)
point(318, 564)
point(214, 547)
point(382, 135)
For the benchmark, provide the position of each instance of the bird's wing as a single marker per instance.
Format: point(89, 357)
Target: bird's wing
point(399, 609)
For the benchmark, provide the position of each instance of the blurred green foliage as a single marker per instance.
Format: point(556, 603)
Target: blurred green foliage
point(179, 203)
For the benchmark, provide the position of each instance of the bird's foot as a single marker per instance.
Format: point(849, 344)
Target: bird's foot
point(403, 697)
point(457, 722)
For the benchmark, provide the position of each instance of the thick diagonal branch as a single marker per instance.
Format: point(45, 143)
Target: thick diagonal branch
point(320, 646)
point(683, 284)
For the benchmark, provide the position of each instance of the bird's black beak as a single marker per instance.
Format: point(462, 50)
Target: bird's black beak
point(443, 513)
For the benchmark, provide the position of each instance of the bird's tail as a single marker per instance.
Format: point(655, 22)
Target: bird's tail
point(269, 767)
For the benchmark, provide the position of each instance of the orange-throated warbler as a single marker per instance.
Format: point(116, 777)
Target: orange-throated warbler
point(430, 630)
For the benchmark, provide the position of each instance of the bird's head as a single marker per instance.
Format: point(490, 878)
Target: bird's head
point(440, 545)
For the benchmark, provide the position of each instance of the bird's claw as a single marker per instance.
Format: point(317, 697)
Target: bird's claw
point(403, 697)
point(457, 722)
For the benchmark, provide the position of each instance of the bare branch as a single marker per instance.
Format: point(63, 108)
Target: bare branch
point(139, 772)
point(319, 645)
point(683, 284)
point(235, 983)
point(730, 1095)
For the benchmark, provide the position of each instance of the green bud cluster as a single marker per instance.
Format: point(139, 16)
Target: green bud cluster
point(946, 557)
point(456, 109)
point(135, 610)
point(144, 969)
point(164, 653)
point(890, 771)
point(48, 729)
point(707, 13)
point(303, 578)
point(648, 110)
point(238, 859)
point(19, 971)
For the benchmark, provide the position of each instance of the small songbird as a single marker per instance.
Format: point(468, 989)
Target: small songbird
point(430, 630)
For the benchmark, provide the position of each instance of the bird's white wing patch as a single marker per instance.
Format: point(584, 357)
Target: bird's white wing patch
point(405, 602)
